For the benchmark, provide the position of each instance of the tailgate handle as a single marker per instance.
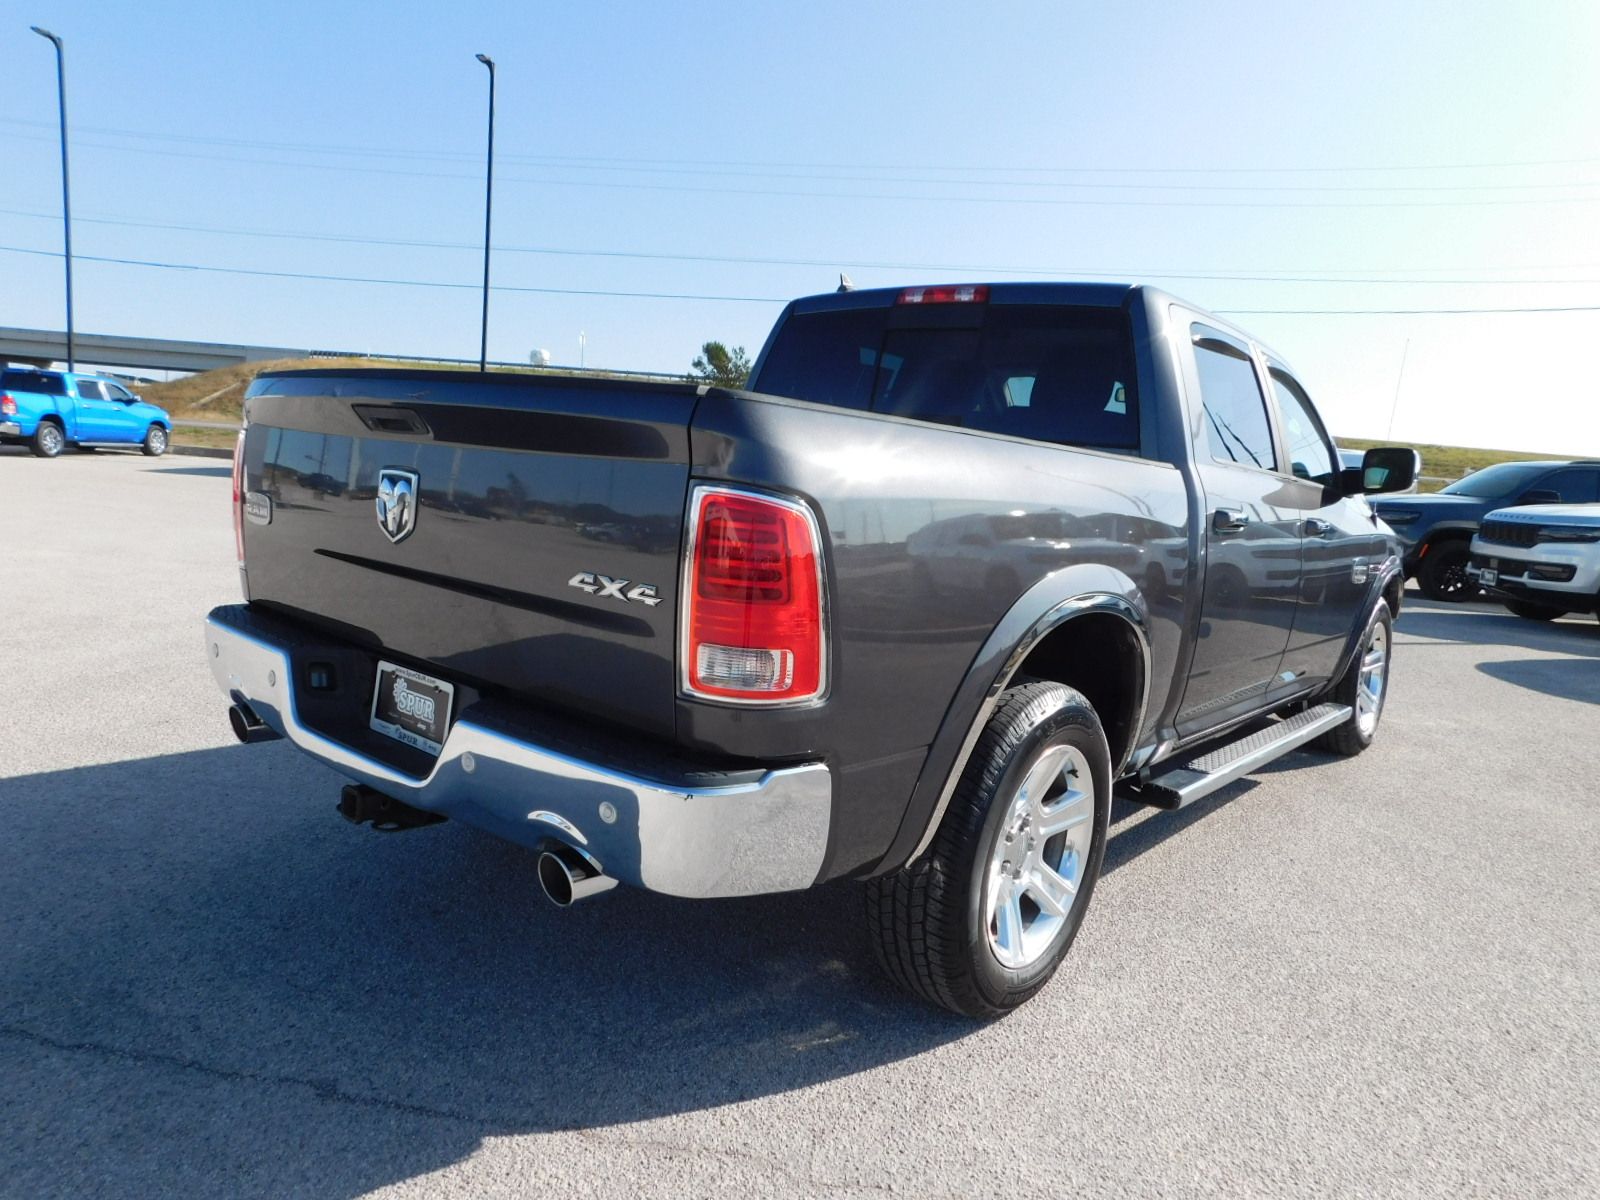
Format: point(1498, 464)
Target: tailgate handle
point(381, 418)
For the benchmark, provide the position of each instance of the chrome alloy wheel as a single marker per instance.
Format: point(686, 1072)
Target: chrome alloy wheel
point(158, 440)
point(52, 440)
point(1374, 670)
point(1039, 857)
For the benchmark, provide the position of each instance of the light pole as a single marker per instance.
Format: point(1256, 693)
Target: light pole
point(66, 188)
point(488, 212)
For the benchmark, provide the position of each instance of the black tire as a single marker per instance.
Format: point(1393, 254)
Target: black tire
point(928, 921)
point(1443, 572)
point(48, 440)
point(155, 441)
point(1535, 612)
point(1355, 735)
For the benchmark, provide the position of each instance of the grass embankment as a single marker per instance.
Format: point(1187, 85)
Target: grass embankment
point(1445, 464)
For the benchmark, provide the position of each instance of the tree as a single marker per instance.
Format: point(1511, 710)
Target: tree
point(720, 366)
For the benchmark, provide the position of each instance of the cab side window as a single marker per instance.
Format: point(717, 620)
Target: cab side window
point(90, 389)
point(1575, 485)
point(1310, 456)
point(117, 392)
point(1235, 412)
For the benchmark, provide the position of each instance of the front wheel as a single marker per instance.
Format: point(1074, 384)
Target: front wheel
point(1443, 573)
point(982, 920)
point(155, 441)
point(1535, 612)
point(1364, 687)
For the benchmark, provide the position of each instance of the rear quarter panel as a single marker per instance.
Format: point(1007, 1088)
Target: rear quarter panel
point(933, 534)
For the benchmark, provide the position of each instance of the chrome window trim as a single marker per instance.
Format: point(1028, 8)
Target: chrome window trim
point(1058, 616)
point(698, 494)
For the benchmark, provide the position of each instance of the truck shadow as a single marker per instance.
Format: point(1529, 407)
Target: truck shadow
point(206, 965)
point(1561, 677)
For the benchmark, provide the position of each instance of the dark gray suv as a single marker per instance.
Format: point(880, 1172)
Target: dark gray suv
point(1436, 531)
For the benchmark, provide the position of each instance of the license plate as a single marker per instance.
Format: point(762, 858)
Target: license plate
point(1488, 577)
point(412, 707)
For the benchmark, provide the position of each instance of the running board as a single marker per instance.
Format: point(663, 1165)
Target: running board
point(1184, 783)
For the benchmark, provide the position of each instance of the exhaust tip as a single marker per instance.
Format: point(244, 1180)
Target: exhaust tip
point(248, 727)
point(555, 879)
point(566, 876)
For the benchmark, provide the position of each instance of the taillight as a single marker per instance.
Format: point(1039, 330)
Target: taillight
point(752, 600)
point(961, 293)
point(8, 405)
point(238, 498)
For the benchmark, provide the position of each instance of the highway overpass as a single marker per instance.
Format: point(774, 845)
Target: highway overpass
point(41, 347)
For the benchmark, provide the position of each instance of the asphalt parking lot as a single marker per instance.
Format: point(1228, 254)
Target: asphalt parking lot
point(1377, 976)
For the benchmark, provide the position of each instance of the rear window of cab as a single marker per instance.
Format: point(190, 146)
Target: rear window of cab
point(1052, 373)
point(44, 383)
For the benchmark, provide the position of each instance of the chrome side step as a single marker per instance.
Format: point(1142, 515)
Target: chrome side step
point(1184, 783)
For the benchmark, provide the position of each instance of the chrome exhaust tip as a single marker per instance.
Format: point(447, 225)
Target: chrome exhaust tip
point(567, 876)
point(248, 727)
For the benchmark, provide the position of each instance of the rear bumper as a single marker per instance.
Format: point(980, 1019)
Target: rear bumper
point(10, 429)
point(673, 829)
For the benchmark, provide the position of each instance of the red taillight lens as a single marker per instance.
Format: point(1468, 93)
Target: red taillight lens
point(8, 405)
point(238, 498)
point(753, 622)
point(961, 293)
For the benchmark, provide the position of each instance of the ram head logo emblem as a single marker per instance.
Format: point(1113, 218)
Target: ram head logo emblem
point(397, 503)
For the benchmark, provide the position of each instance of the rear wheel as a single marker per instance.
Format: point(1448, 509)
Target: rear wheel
point(1535, 612)
point(1364, 687)
point(48, 440)
point(1443, 573)
point(982, 920)
point(155, 441)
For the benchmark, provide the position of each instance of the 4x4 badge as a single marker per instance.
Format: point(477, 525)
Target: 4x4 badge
point(618, 589)
point(397, 503)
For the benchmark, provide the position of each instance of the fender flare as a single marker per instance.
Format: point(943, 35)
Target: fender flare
point(1382, 578)
point(1047, 606)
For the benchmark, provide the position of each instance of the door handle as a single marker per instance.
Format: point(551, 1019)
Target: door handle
point(1229, 520)
point(1317, 527)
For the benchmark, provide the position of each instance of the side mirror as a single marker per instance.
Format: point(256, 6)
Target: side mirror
point(1539, 496)
point(1383, 469)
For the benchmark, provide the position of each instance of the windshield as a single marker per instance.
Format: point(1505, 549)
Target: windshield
point(1492, 483)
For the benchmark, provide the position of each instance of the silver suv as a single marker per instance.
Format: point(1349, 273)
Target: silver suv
point(1541, 560)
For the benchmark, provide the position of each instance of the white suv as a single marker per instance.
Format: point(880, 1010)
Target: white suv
point(1541, 560)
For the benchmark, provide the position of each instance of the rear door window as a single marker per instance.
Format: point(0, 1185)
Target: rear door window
point(1046, 372)
point(45, 383)
point(1234, 411)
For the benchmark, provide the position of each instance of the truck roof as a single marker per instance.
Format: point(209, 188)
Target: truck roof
point(1089, 295)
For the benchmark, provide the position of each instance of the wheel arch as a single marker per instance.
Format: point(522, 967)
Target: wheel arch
point(1085, 627)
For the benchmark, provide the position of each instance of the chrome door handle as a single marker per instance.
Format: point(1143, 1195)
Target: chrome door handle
point(1317, 527)
point(1229, 520)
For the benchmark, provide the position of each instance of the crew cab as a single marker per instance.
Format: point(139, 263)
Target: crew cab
point(51, 410)
point(1436, 531)
point(963, 561)
point(1542, 561)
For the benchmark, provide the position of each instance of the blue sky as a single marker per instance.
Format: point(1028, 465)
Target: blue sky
point(1367, 156)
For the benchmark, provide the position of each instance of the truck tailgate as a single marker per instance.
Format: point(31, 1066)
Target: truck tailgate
point(507, 497)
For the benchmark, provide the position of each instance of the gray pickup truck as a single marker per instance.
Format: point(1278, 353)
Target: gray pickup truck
point(964, 563)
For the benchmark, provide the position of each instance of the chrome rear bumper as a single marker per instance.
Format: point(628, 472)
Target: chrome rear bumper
point(765, 832)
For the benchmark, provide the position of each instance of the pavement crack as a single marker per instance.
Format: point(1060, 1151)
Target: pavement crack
point(321, 1088)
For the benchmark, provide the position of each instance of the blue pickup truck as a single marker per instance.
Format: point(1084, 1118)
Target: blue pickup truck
point(51, 410)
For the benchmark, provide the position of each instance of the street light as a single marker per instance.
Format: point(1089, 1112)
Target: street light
point(488, 212)
point(66, 189)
